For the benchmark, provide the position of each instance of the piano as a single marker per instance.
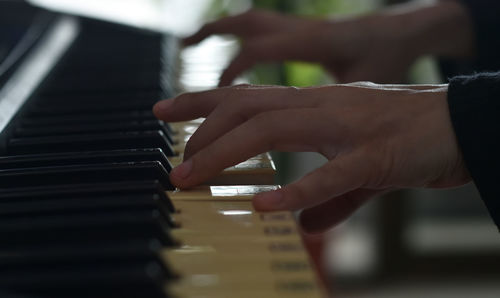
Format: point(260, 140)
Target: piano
point(86, 205)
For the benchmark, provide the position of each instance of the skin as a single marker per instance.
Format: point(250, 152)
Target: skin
point(351, 49)
point(376, 137)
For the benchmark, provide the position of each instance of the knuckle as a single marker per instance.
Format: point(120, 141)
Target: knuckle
point(182, 97)
point(254, 49)
point(207, 28)
point(250, 50)
point(189, 149)
point(262, 121)
point(296, 196)
point(233, 109)
point(328, 173)
point(249, 16)
point(262, 126)
point(243, 86)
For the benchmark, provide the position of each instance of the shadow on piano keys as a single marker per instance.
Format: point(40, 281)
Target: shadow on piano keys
point(86, 205)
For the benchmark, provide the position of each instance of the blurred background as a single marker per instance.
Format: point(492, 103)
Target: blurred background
point(413, 243)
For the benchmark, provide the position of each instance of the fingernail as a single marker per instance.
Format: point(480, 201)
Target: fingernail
point(271, 199)
point(165, 104)
point(183, 170)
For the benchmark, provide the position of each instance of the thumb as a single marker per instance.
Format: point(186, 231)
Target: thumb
point(331, 213)
point(337, 177)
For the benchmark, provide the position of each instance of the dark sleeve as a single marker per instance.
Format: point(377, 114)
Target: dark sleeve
point(485, 15)
point(474, 103)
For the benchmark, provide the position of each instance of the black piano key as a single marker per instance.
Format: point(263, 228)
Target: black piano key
point(151, 246)
point(85, 227)
point(51, 192)
point(82, 245)
point(90, 142)
point(14, 294)
point(104, 117)
point(75, 107)
point(82, 158)
point(93, 118)
point(117, 97)
point(70, 205)
point(113, 58)
point(84, 128)
point(147, 64)
point(38, 259)
point(113, 277)
point(104, 82)
point(99, 173)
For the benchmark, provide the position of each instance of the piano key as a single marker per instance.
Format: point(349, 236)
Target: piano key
point(220, 193)
point(30, 257)
point(5, 294)
point(139, 115)
point(70, 205)
point(147, 125)
point(86, 227)
point(104, 82)
point(153, 245)
point(258, 170)
point(49, 192)
point(89, 157)
point(90, 142)
point(97, 173)
point(78, 107)
point(117, 97)
point(101, 278)
point(112, 62)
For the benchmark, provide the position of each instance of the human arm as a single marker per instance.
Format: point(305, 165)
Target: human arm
point(378, 47)
point(376, 138)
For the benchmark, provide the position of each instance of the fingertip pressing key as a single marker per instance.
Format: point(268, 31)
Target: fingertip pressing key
point(269, 201)
point(182, 171)
point(162, 107)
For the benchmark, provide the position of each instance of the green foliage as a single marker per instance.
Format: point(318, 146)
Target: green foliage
point(302, 74)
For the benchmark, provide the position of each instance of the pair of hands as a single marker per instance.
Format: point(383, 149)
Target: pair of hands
point(376, 137)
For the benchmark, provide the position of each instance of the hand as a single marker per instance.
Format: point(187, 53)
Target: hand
point(379, 47)
point(340, 46)
point(375, 137)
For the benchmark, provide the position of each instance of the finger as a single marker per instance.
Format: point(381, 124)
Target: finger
point(322, 217)
point(240, 25)
point(245, 104)
point(242, 62)
point(337, 177)
point(264, 132)
point(272, 48)
point(189, 106)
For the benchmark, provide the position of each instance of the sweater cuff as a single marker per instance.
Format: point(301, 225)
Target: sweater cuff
point(474, 103)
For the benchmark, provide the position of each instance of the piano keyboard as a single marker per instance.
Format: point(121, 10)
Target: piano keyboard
point(86, 205)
